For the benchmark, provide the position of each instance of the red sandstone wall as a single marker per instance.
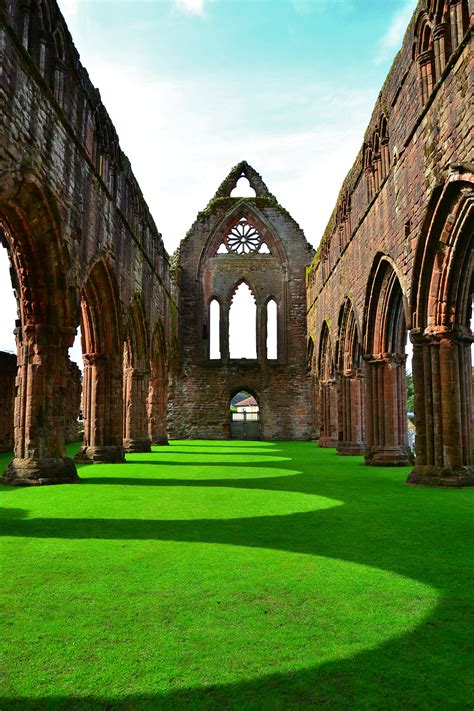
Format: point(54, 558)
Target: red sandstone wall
point(56, 129)
point(429, 143)
point(203, 387)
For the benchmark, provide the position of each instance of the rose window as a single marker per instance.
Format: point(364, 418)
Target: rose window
point(243, 238)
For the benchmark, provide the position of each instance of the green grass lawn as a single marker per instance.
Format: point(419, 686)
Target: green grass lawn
point(237, 575)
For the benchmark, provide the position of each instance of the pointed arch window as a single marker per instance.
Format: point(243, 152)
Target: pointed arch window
point(214, 330)
point(272, 330)
point(243, 324)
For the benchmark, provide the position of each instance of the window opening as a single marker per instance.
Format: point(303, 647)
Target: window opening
point(243, 188)
point(243, 238)
point(214, 318)
point(9, 305)
point(272, 346)
point(244, 407)
point(222, 249)
point(264, 248)
point(242, 324)
point(75, 352)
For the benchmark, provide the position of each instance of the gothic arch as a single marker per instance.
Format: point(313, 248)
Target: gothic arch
point(40, 265)
point(136, 365)
point(327, 390)
point(385, 375)
point(442, 338)
point(349, 345)
point(158, 392)
point(101, 311)
point(136, 338)
point(38, 255)
point(350, 386)
point(386, 315)
point(247, 210)
point(102, 352)
point(443, 262)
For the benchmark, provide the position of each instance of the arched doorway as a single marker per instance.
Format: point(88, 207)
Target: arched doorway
point(244, 416)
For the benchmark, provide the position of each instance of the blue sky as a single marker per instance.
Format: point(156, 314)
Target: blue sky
point(195, 86)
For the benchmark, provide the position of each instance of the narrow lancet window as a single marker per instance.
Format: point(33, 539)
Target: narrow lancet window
point(242, 324)
point(214, 337)
point(272, 346)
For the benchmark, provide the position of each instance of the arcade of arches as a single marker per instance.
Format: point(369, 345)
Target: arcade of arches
point(327, 332)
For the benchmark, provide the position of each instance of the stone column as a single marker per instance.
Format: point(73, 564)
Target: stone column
point(328, 413)
point(39, 420)
point(351, 414)
point(386, 411)
point(224, 332)
point(102, 409)
point(261, 338)
point(157, 401)
point(136, 437)
point(442, 378)
point(457, 23)
point(441, 47)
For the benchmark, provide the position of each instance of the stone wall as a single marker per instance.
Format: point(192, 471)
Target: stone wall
point(404, 216)
point(7, 399)
point(203, 387)
point(83, 246)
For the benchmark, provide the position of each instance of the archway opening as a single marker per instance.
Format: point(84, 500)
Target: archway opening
point(244, 416)
point(8, 358)
point(243, 324)
point(214, 327)
point(272, 329)
point(243, 188)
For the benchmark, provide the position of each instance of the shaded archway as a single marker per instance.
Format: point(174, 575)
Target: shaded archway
point(385, 374)
point(350, 384)
point(102, 385)
point(327, 391)
point(443, 289)
point(158, 392)
point(136, 378)
point(45, 330)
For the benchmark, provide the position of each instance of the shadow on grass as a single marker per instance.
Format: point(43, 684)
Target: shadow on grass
point(422, 534)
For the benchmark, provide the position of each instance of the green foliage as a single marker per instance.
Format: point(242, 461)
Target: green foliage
point(237, 575)
point(410, 393)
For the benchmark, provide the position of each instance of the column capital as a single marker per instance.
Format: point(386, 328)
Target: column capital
point(437, 334)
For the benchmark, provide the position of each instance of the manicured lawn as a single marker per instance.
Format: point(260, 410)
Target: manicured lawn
point(233, 575)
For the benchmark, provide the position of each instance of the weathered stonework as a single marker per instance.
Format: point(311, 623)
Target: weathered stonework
point(397, 256)
point(84, 250)
point(203, 387)
point(7, 400)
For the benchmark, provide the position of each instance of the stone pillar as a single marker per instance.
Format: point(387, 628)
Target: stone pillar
point(8, 371)
point(386, 411)
point(442, 378)
point(224, 332)
point(457, 23)
point(102, 409)
point(441, 47)
point(261, 338)
point(350, 392)
point(39, 419)
point(385, 156)
point(426, 64)
point(136, 384)
point(157, 402)
point(328, 413)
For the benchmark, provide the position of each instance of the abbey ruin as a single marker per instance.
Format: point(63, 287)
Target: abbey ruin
point(395, 262)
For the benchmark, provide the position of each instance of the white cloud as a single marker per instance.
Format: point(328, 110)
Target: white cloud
point(191, 7)
point(391, 41)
